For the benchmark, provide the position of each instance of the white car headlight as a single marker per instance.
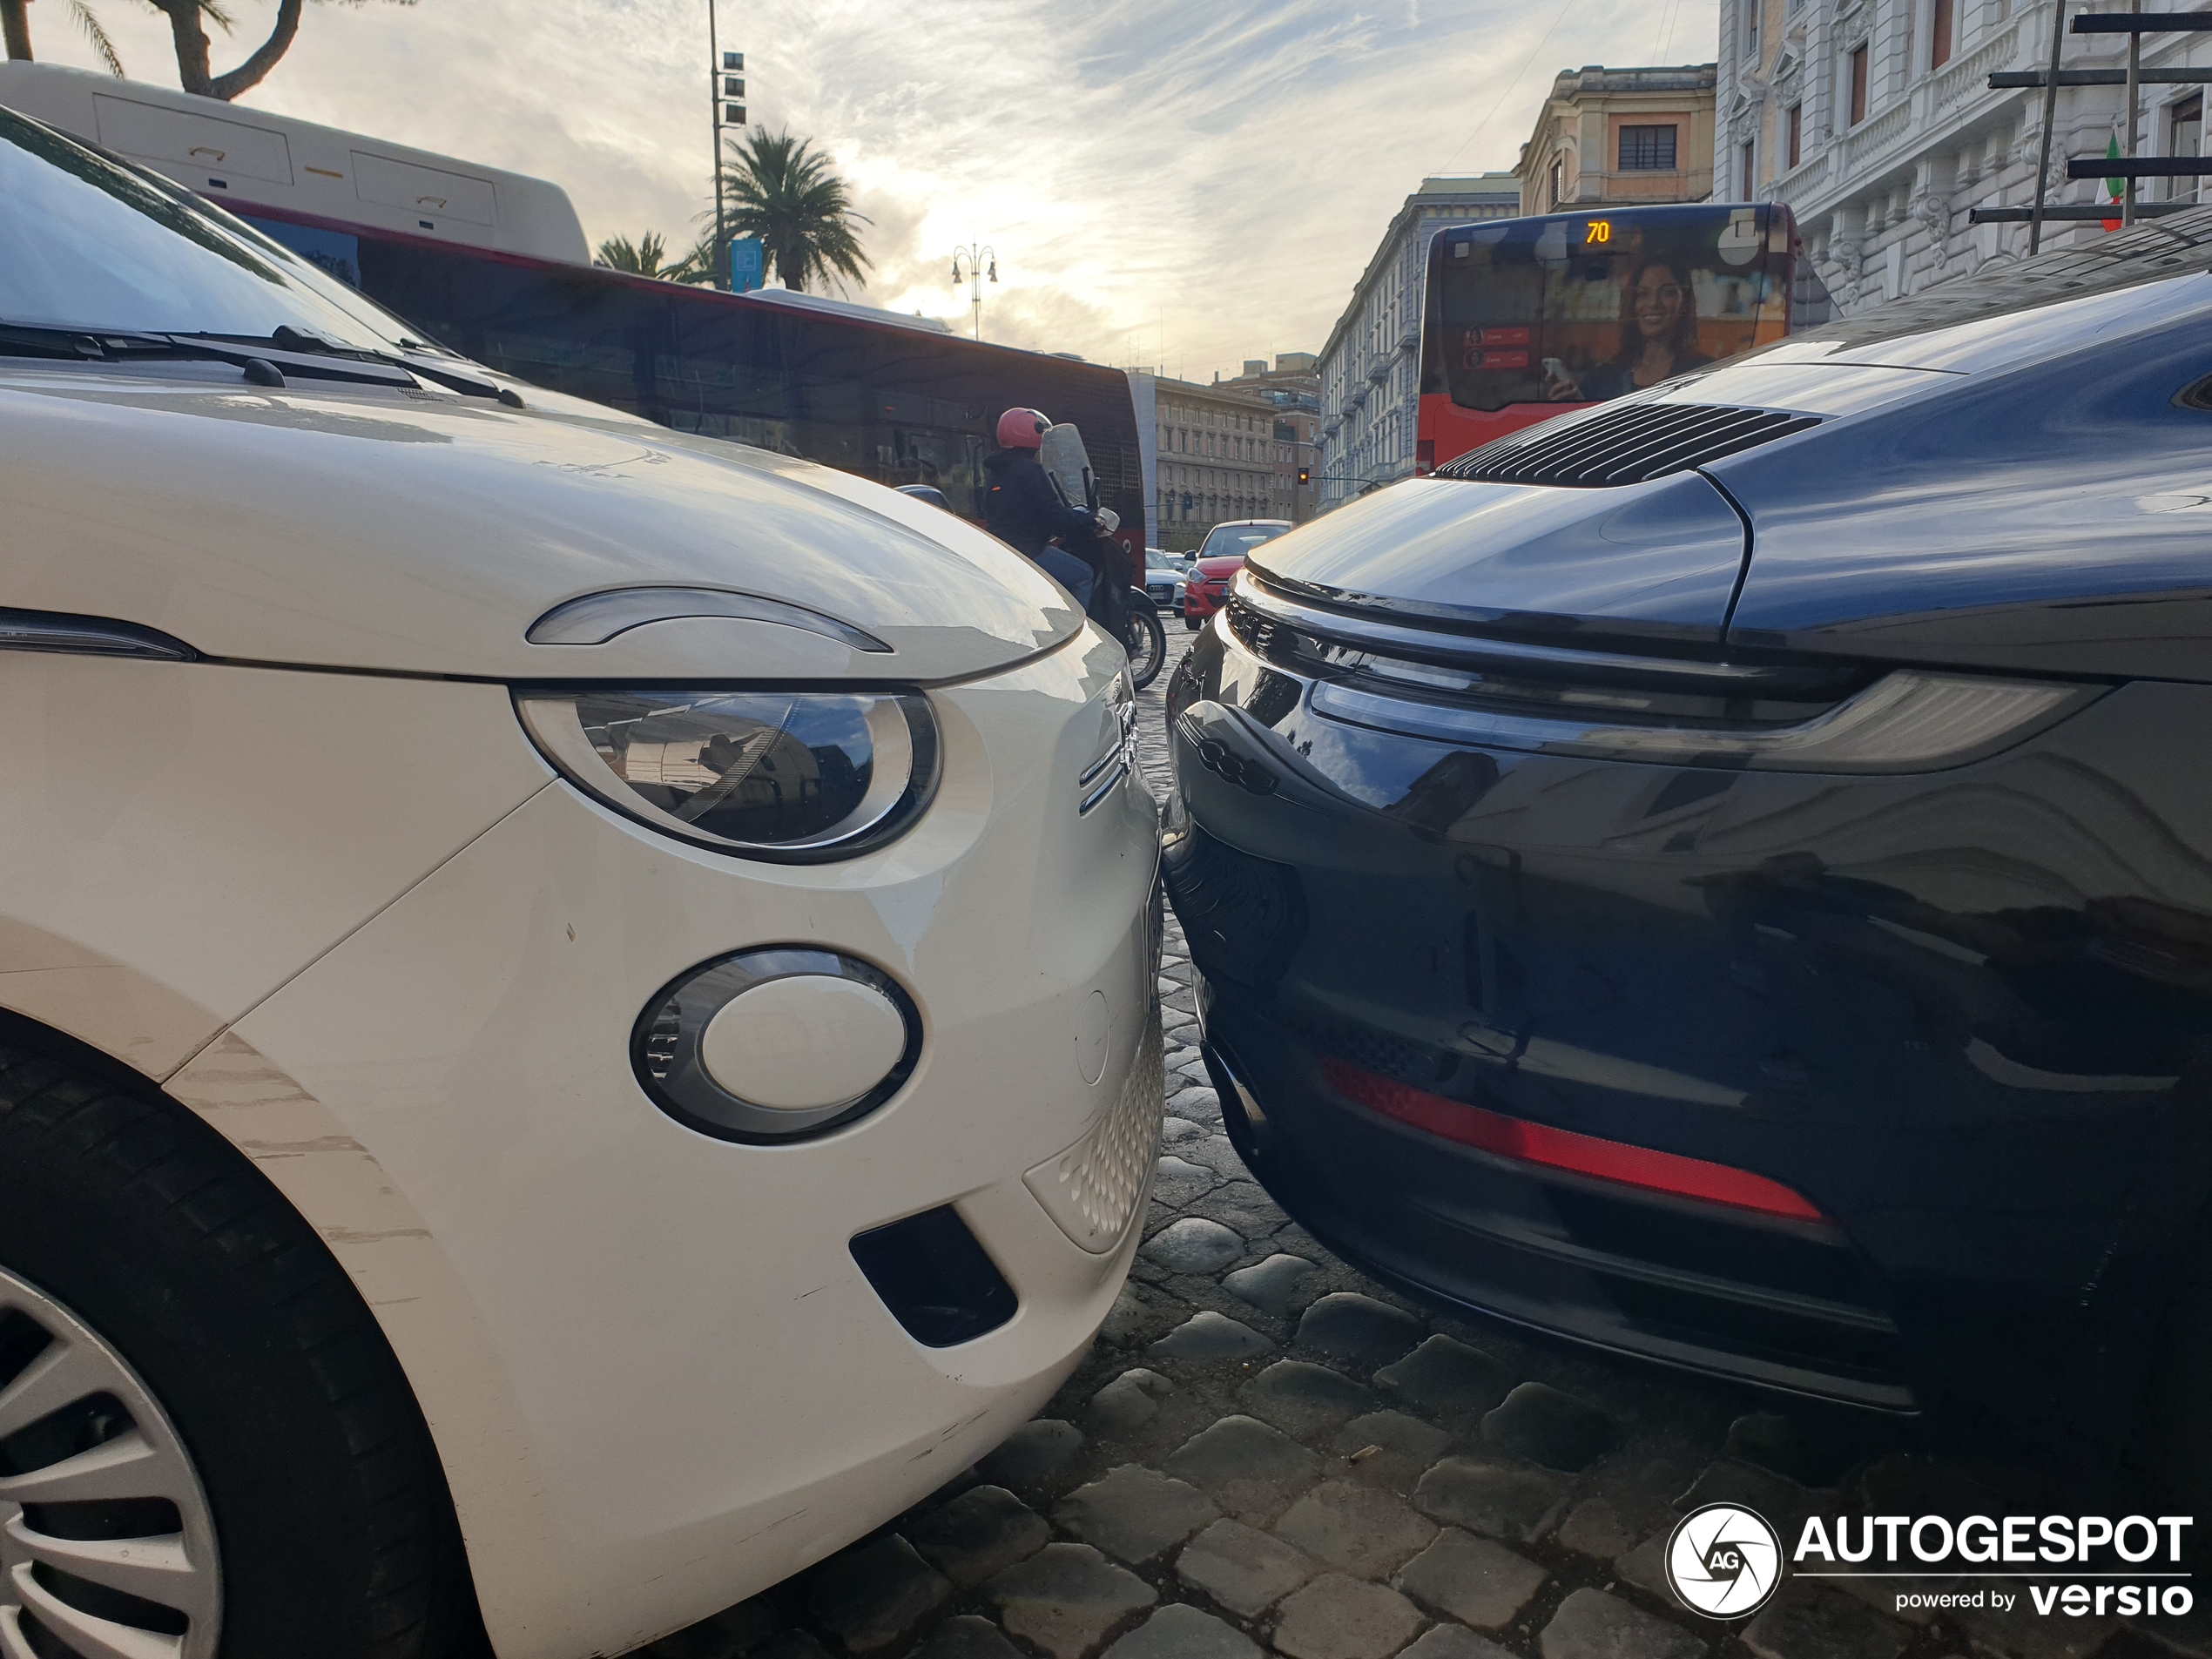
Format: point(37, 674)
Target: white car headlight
point(793, 777)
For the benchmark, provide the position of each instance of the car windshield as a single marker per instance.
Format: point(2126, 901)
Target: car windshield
point(94, 244)
point(1582, 309)
point(1234, 540)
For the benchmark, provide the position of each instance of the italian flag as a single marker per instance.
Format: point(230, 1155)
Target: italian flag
point(2115, 188)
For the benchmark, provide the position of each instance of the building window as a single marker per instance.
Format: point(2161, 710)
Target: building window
point(1797, 126)
point(2185, 137)
point(1648, 149)
point(1939, 35)
point(1745, 153)
point(1751, 30)
point(1857, 85)
point(1558, 168)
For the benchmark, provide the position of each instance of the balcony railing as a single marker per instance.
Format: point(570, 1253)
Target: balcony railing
point(1871, 137)
point(1962, 78)
point(1946, 98)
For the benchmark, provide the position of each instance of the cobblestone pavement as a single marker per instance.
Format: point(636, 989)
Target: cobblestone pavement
point(1266, 1453)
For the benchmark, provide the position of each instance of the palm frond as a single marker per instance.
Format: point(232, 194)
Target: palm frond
point(215, 14)
point(645, 257)
point(694, 267)
point(618, 253)
point(781, 190)
point(89, 21)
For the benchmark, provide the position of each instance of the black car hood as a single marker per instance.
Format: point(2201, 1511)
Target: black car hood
point(2046, 512)
point(1651, 562)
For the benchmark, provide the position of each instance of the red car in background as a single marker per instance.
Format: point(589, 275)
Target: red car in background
point(1217, 562)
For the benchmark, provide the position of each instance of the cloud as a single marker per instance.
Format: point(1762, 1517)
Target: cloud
point(1177, 183)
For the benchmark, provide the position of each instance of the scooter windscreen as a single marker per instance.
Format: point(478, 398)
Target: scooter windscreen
point(1068, 464)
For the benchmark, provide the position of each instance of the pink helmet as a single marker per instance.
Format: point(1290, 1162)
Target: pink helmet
point(1022, 429)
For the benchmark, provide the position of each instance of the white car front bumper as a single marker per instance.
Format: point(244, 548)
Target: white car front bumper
point(656, 1378)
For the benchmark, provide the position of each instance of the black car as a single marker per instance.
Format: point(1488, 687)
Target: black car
point(1726, 876)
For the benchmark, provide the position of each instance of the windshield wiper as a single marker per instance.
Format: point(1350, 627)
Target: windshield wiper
point(288, 352)
point(275, 362)
point(292, 339)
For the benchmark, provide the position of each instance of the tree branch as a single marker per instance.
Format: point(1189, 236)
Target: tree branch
point(250, 73)
point(191, 38)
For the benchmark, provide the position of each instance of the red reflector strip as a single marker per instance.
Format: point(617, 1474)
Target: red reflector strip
point(1561, 1148)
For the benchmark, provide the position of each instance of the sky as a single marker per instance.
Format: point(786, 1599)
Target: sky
point(1181, 184)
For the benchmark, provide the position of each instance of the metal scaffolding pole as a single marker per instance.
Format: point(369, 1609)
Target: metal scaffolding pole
point(2134, 83)
point(2050, 120)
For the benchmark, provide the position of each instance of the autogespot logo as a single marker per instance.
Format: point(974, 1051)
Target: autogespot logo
point(1723, 1561)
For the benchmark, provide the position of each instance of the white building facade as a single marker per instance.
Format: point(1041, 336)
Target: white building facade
point(1874, 121)
point(1370, 369)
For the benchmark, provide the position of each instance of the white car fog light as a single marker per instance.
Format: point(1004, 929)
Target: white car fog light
point(802, 1044)
point(775, 1044)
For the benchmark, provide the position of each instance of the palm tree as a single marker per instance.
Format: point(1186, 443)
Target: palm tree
point(781, 190)
point(618, 253)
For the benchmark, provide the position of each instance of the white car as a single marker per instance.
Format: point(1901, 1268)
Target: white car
point(576, 1013)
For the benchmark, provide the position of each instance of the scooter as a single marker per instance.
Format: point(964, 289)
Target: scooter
point(1121, 607)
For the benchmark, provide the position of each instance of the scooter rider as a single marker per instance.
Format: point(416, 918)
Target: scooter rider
point(1023, 511)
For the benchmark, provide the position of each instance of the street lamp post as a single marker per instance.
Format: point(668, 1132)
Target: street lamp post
point(725, 93)
point(968, 266)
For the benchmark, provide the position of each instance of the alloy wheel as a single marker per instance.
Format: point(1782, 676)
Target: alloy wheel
point(107, 1543)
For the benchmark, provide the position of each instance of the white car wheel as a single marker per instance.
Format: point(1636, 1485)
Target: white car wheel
point(206, 1444)
point(86, 1449)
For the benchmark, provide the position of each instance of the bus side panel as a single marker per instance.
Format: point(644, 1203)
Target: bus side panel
point(896, 405)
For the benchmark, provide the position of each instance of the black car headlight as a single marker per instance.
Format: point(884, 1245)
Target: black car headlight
point(792, 776)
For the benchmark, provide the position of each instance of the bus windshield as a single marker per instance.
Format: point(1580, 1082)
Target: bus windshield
point(1577, 309)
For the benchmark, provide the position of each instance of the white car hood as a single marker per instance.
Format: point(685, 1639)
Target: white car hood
point(425, 533)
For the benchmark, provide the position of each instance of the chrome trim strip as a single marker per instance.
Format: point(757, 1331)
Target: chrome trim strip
point(1106, 759)
point(1120, 771)
point(88, 636)
point(594, 618)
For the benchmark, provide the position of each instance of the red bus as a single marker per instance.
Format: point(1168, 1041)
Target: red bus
point(1529, 318)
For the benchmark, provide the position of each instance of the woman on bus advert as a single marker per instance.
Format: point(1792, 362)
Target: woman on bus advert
point(1658, 340)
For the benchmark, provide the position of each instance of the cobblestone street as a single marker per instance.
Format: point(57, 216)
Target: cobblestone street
point(1265, 1452)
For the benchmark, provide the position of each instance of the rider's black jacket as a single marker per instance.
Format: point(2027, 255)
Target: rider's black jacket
point(1021, 508)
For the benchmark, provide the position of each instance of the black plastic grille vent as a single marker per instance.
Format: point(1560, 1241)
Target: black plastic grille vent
point(1624, 445)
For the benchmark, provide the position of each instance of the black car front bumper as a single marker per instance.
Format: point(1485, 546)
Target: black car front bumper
point(1966, 1013)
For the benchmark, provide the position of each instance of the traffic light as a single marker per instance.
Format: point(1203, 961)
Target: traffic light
point(732, 87)
point(1305, 477)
